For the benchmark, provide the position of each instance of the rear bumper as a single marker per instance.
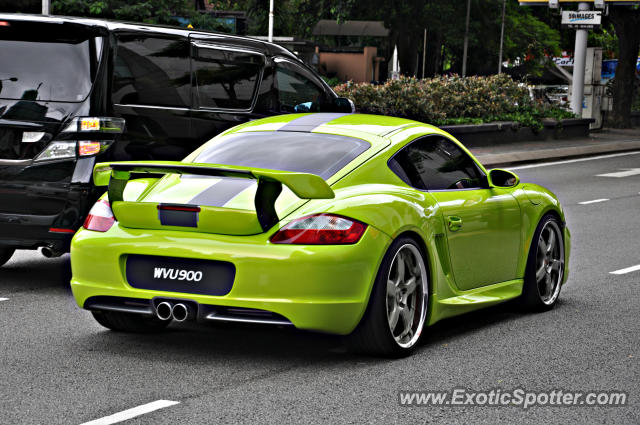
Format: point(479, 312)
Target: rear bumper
point(30, 231)
point(321, 288)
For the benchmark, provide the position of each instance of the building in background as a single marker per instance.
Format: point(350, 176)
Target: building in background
point(348, 57)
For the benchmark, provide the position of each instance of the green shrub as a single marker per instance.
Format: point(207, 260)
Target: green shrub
point(448, 100)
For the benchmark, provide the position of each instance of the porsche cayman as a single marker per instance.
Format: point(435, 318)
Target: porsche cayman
point(367, 226)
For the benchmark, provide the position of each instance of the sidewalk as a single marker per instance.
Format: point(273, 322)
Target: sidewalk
point(599, 142)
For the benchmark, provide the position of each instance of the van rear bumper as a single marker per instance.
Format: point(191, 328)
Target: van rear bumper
point(30, 231)
point(23, 231)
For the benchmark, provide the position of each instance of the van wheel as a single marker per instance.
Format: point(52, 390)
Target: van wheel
point(397, 311)
point(129, 322)
point(5, 255)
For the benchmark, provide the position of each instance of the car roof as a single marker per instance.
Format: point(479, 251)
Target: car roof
point(354, 125)
point(116, 26)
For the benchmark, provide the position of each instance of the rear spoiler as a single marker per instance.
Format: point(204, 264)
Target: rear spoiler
point(303, 185)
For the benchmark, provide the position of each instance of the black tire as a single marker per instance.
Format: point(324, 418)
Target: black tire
point(5, 255)
point(129, 322)
point(373, 335)
point(537, 296)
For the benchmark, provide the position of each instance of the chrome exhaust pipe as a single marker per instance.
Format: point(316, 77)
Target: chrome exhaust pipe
point(50, 252)
point(180, 312)
point(164, 310)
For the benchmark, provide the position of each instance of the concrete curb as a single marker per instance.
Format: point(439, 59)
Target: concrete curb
point(555, 153)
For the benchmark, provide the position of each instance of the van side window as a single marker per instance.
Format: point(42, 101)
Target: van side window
point(436, 163)
point(297, 89)
point(152, 71)
point(267, 96)
point(226, 79)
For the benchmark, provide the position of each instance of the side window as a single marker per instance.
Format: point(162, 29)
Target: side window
point(267, 98)
point(436, 163)
point(151, 71)
point(296, 87)
point(226, 79)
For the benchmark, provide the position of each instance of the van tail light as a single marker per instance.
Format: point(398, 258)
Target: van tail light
point(320, 229)
point(100, 218)
point(88, 148)
point(95, 125)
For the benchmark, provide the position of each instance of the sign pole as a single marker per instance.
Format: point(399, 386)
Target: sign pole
point(466, 40)
point(504, 6)
point(579, 62)
point(46, 7)
point(424, 52)
point(270, 21)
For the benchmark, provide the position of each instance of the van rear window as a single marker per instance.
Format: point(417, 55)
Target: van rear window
point(46, 62)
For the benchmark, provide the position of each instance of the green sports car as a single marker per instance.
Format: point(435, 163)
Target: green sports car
point(360, 225)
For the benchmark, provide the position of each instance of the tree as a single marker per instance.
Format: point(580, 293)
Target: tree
point(148, 11)
point(626, 22)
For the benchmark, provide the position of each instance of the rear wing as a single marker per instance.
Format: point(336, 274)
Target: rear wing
point(303, 185)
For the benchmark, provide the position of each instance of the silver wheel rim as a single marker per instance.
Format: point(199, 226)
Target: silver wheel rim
point(549, 262)
point(407, 295)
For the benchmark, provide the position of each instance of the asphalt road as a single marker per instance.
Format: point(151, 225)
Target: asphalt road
point(58, 366)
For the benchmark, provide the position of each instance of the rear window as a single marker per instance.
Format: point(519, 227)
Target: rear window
point(320, 154)
point(47, 62)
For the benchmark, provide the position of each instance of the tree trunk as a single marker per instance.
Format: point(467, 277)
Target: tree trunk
point(434, 53)
point(408, 47)
point(626, 22)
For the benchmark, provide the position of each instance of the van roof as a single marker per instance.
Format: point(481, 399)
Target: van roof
point(119, 26)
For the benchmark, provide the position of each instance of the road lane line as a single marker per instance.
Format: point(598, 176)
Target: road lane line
point(132, 413)
point(625, 172)
point(627, 270)
point(595, 201)
point(569, 161)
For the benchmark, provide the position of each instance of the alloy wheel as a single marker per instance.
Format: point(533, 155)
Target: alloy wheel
point(407, 295)
point(549, 262)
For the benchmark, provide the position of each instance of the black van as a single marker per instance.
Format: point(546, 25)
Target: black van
point(75, 91)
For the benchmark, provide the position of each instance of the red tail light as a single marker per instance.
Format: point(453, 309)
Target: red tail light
point(87, 148)
point(100, 218)
point(320, 229)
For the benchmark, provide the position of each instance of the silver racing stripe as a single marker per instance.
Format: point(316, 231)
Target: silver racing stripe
point(307, 123)
point(218, 194)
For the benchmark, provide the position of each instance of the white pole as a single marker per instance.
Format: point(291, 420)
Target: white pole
point(579, 62)
point(46, 7)
point(424, 51)
point(504, 6)
point(270, 21)
point(466, 40)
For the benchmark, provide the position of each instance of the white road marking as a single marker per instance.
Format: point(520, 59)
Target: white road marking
point(569, 161)
point(4, 299)
point(595, 201)
point(626, 173)
point(627, 270)
point(132, 413)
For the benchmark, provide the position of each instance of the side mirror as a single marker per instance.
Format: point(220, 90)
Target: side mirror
point(342, 104)
point(502, 178)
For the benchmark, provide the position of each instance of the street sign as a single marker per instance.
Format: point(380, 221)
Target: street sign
point(581, 19)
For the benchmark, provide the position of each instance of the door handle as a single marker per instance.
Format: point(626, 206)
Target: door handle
point(454, 223)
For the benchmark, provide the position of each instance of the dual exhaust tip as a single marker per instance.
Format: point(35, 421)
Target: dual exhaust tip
point(167, 311)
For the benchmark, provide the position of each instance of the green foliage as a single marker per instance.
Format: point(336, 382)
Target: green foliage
point(452, 99)
point(148, 11)
point(333, 81)
point(606, 38)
